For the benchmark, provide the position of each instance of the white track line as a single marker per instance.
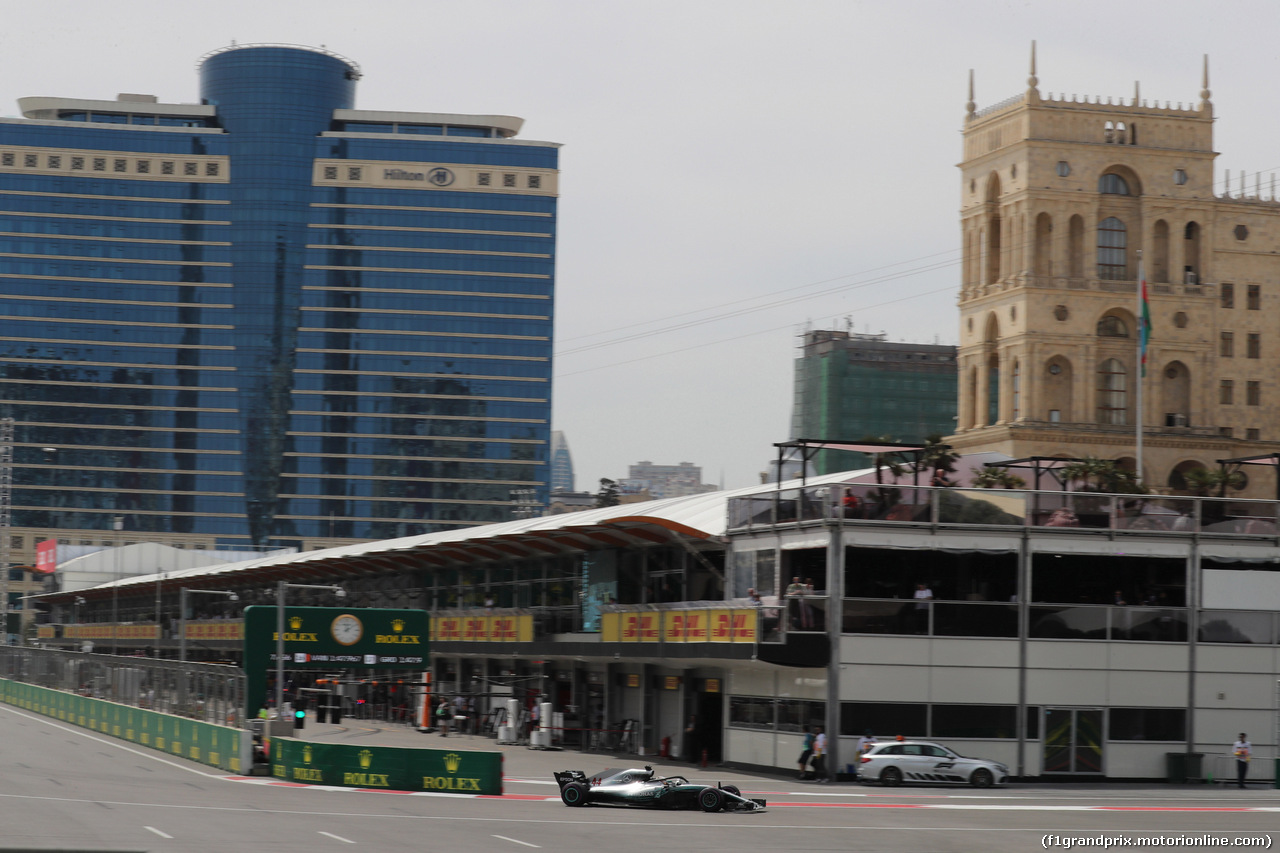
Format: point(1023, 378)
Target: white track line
point(518, 841)
point(338, 837)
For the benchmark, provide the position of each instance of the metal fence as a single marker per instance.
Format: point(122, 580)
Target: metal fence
point(212, 693)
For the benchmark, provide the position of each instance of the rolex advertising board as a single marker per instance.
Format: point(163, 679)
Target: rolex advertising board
point(338, 637)
point(329, 638)
point(387, 768)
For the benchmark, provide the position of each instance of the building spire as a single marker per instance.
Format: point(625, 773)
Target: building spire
point(971, 107)
point(1033, 94)
point(1205, 104)
point(1137, 94)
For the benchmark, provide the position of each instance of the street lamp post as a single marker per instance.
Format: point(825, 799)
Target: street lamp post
point(182, 614)
point(117, 524)
point(281, 586)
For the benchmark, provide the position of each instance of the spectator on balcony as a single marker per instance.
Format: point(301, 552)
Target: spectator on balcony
point(923, 596)
point(796, 591)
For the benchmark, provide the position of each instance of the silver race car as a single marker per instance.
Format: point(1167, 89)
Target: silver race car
point(643, 789)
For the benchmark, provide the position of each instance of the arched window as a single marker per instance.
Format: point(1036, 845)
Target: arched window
point(993, 390)
point(1112, 184)
point(1075, 247)
point(1044, 245)
point(1112, 392)
point(1112, 250)
point(1112, 326)
point(1191, 253)
point(1016, 389)
point(1160, 255)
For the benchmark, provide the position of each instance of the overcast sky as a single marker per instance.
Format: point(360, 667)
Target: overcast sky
point(732, 172)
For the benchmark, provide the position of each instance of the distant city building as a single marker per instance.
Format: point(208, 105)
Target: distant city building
point(562, 502)
point(1078, 219)
point(665, 481)
point(859, 386)
point(561, 463)
point(269, 318)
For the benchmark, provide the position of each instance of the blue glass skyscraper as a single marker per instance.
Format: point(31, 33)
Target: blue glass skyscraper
point(272, 318)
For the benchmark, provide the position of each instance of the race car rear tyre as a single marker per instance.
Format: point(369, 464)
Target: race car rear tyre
point(711, 799)
point(574, 794)
point(891, 777)
point(982, 778)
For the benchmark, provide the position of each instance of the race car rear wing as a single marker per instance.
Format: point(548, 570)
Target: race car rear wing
point(564, 777)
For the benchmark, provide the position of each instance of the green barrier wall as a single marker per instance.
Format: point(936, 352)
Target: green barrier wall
point(217, 746)
point(387, 768)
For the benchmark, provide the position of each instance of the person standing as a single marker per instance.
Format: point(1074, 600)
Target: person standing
point(443, 715)
point(795, 594)
point(865, 743)
point(923, 596)
point(806, 751)
point(1242, 750)
point(535, 714)
point(690, 744)
point(820, 756)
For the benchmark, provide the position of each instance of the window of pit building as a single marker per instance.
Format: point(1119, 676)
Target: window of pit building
point(1227, 295)
point(1082, 579)
point(808, 564)
point(1254, 297)
point(1253, 345)
point(977, 575)
point(887, 720)
point(754, 570)
point(1151, 724)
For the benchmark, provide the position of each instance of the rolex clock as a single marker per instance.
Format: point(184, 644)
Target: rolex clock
point(346, 629)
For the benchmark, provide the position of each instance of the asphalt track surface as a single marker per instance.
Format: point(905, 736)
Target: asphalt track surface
point(67, 788)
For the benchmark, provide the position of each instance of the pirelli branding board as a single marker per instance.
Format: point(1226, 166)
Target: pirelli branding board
point(454, 177)
point(680, 626)
point(329, 637)
point(483, 628)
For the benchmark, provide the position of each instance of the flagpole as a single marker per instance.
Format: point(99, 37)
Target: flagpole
point(1143, 332)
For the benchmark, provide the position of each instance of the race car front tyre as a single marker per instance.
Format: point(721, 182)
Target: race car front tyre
point(574, 794)
point(732, 789)
point(711, 799)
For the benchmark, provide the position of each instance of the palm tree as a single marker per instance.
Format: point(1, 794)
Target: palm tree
point(997, 477)
point(938, 460)
point(1203, 482)
point(1101, 475)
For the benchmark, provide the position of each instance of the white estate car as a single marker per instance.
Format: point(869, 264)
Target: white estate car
point(896, 762)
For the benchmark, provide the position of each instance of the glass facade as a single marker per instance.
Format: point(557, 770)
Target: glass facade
point(267, 324)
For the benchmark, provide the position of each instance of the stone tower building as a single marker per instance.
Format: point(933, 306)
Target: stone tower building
point(1061, 200)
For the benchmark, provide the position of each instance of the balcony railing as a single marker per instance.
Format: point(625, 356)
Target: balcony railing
point(926, 505)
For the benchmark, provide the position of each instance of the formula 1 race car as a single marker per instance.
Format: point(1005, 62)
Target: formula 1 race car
point(641, 788)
